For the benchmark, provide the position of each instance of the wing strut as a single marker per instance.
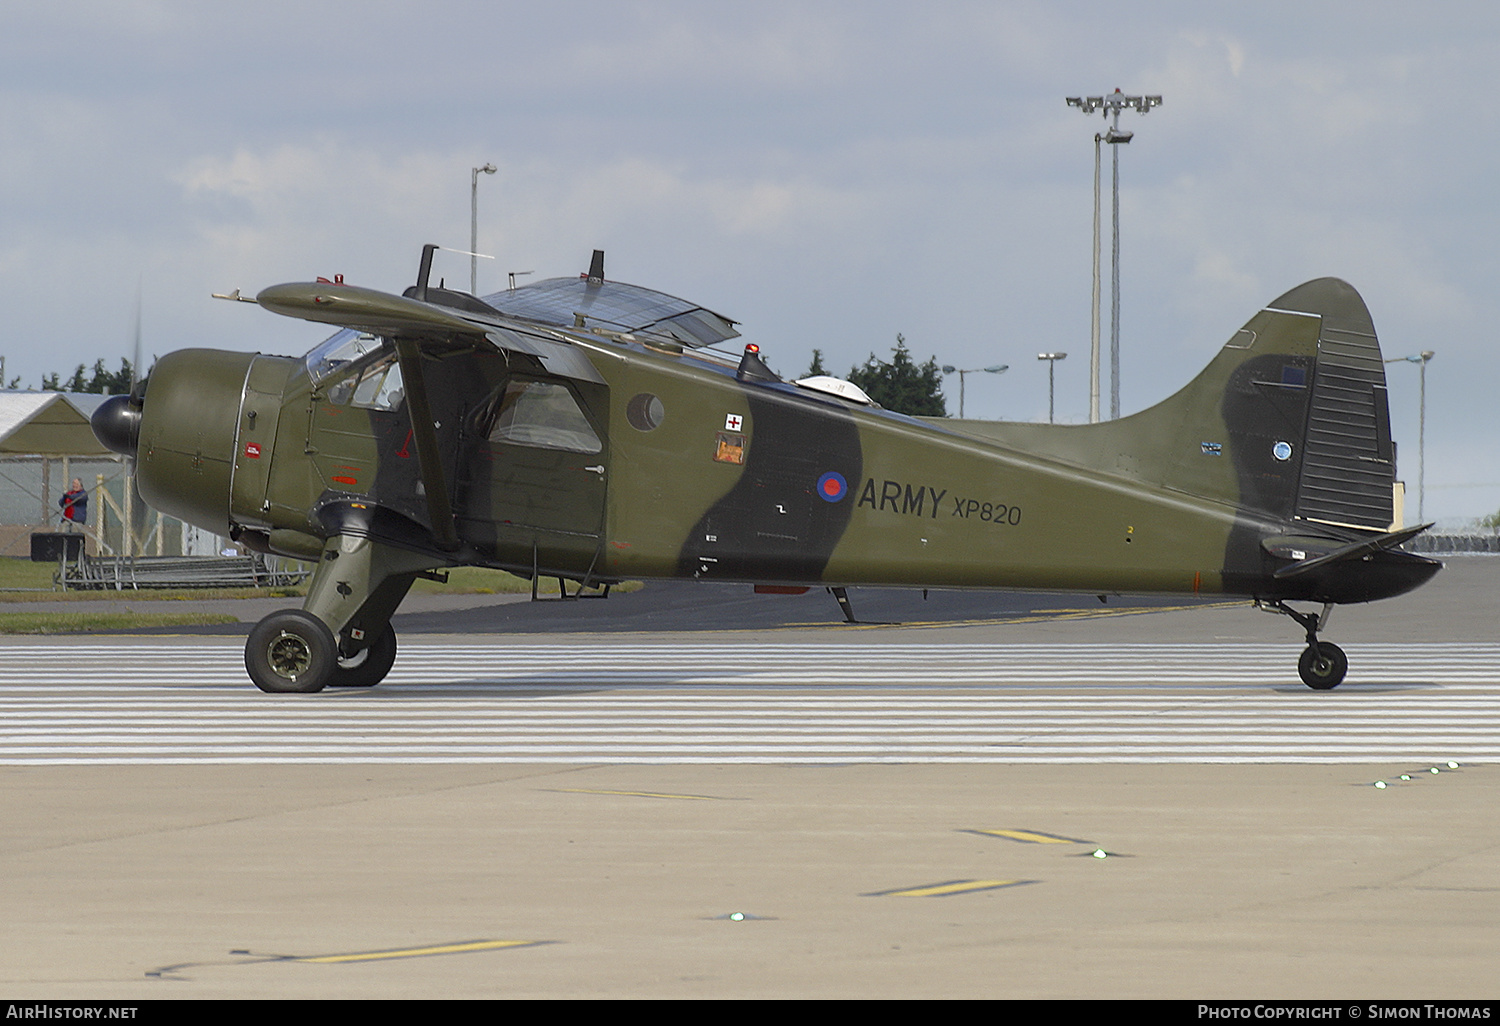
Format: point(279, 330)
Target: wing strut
point(429, 460)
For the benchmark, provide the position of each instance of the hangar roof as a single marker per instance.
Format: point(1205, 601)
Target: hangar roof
point(49, 424)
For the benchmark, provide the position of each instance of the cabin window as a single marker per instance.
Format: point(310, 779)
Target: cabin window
point(377, 387)
point(339, 351)
point(544, 415)
point(380, 388)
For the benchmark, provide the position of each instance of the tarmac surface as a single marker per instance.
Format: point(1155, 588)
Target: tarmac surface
point(776, 879)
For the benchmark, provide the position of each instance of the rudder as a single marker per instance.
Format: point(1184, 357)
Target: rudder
point(1348, 468)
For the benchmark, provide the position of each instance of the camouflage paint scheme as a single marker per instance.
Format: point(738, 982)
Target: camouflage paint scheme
point(1268, 476)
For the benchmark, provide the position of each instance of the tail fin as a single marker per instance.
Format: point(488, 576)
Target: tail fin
point(1349, 463)
point(1289, 420)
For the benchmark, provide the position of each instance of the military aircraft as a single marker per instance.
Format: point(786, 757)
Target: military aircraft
point(587, 430)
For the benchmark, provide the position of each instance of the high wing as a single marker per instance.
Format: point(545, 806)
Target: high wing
point(437, 315)
point(614, 306)
point(404, 318)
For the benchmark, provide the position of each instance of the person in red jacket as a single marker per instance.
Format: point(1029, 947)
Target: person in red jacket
point(75, 504)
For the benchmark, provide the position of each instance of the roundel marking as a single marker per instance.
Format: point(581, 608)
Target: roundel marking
point(832, 487)
point(1282, 451)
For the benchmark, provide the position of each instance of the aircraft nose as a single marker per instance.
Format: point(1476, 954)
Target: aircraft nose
point(186, 434)
point(117, 424)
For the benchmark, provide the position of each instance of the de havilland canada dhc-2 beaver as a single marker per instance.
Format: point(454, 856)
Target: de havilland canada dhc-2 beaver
point(584, 429)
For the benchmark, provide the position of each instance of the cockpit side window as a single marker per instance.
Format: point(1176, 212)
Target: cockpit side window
point(377, 387)
point(541, 414)
point(342, 349)
point(380, 388)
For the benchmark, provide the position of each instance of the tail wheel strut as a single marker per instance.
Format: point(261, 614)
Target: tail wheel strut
point(1323, 664)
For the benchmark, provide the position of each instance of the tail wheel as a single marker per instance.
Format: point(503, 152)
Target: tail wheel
point(1323, 666)
point(291, 652)
point(369, 666)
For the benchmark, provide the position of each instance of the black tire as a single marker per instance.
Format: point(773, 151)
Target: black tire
point(1323, 668)
point(291, 652)
point(369, 666)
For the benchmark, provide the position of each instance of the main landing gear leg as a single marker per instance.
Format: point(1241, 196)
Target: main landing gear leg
point(342, 635)
point(1323, 664)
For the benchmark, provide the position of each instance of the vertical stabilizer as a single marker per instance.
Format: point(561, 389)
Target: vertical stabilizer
point(1348, 466)
point(1288, 422)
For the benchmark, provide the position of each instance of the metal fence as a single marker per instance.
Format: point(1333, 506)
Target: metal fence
point(1450, 544)
point(30, 487)
point(122, 573)
point(126, 544)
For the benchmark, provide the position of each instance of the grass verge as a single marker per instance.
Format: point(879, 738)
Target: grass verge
point(87, 621)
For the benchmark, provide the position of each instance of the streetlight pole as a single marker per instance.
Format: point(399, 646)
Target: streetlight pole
point(1110, 105)
point(1051, 359)
point(1421, 360)
point(488, 169)
point(1094, 313)
point(948, 368)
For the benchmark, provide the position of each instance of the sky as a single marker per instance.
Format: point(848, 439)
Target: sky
point(828, 173)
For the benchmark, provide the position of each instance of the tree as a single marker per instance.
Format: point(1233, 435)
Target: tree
point(102, 382)
point(816, 368)
point(901, 385)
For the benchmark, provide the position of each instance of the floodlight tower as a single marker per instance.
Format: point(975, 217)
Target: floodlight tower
point(474, 174)
point(1051, 359)
point(1109, 106)
point(1421, 361)
point(948, 368)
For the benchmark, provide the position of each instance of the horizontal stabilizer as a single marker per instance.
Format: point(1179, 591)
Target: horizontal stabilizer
point(1284, 547)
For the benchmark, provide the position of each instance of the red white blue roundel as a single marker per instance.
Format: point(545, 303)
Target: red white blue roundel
point(832, 487)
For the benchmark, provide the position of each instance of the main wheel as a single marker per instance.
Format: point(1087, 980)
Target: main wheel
point(291, 651)
point(1323, 668)
point(369, 666)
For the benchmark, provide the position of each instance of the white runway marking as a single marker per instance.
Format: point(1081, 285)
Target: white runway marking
point(716, 702)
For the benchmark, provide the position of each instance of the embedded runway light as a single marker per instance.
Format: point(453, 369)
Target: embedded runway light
point(1380, 784)
point(1452, 764)
point(1100, 853)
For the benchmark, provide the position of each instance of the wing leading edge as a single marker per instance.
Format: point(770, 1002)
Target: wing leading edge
point(617, 307)
point(439, 315)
